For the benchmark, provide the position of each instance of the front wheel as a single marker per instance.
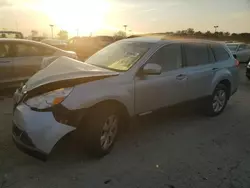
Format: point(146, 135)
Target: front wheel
point(101, 130)
point(218, 101)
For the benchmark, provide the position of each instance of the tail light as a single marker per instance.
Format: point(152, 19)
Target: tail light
point(237, 63)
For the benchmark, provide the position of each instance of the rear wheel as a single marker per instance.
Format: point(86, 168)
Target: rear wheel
point(101, 129)
point(218, 101)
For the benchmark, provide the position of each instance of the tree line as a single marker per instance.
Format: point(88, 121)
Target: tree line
point(190, 32)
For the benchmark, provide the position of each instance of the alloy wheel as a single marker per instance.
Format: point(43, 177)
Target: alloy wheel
point(219, 100)
point(109, 132)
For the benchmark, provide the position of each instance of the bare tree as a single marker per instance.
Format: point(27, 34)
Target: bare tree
point(63, 34)
point(119, 35)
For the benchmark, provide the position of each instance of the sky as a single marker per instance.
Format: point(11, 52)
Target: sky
point(101, 17)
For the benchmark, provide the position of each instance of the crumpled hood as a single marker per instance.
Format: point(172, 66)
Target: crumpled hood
point(64, 69)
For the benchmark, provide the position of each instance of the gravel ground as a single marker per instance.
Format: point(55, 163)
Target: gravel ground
point(173, 149)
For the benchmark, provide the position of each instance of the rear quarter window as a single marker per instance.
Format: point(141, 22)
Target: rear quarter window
point(220, 52)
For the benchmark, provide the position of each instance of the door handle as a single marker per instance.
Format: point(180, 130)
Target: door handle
point(181, 77)
point(214, 69)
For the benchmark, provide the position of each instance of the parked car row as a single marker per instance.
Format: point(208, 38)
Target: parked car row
point(125, 79)
point(241, 51)
point(20, 59)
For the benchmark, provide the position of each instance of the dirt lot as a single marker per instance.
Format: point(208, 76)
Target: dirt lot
point(173, 149)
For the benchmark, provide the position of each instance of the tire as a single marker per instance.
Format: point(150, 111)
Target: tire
point(248, 61)
point(218, 101)
point(248, 77)
point(100, 137)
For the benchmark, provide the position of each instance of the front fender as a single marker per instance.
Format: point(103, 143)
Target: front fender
point(88, 94)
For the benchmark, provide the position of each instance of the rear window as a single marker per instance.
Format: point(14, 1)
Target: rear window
point(232, 47)
point(220, 52)
point(196, 54)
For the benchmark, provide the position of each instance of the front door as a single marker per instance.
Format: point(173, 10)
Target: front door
point(156, 91)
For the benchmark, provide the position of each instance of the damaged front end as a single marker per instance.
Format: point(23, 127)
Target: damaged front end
point(36, 132)
point(39, 118)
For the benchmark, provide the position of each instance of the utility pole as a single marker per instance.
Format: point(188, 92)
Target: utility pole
point(52, 28)
point(215, 28)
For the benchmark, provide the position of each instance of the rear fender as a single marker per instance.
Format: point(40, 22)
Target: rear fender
point(219, 76)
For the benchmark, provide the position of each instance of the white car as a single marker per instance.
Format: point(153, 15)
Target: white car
point(20, 59)
point(241, 51)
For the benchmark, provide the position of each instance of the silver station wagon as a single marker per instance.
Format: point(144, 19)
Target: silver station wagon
point(127, 78)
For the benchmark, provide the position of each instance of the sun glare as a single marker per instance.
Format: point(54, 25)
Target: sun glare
point(86, 16)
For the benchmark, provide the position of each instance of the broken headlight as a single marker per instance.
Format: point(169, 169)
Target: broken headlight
point(49, 99)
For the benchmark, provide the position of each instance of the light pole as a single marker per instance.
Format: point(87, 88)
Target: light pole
point(77, 32)
point(215, 28)
point(125, 28)
point(52, 28)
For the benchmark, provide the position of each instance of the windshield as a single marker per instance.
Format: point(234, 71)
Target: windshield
point(120, 56)
point(232, 47)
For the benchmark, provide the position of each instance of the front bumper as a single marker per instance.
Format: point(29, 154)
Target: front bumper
point(36, 133)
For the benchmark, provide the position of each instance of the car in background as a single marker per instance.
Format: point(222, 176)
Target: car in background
point(248, 71)
point(20, 59)
point(62, 44)
point(241, 51)
point(127, 78)
point(11, 34)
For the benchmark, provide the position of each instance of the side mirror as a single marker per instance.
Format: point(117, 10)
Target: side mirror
point(235, 56)
point(151, 69)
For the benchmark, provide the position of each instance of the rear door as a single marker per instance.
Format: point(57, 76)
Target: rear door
point(6, 64)
point(199, 62)
point(156, 91)
point(28, 59)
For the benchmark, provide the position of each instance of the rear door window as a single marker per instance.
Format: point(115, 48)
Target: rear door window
point(220, 52)
point(196, 54)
